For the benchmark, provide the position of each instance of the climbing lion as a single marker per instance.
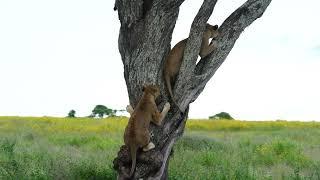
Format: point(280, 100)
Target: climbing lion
point(174, 59)
point(137, 131)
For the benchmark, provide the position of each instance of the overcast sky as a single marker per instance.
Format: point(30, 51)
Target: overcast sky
point(61, 55)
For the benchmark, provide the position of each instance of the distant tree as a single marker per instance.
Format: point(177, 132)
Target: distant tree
point(222, 115)
point(72, 114)
point(102, 110)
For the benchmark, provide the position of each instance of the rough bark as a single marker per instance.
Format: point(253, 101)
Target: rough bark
point(144, 41)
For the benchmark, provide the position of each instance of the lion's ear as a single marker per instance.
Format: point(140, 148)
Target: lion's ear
point(215, 27)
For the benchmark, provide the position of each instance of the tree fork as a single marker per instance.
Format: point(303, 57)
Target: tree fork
point(144, 41)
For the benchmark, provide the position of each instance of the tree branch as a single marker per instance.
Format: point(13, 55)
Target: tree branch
point(230, 31)
point(193, 47)
point(169, 4)
point(129, 11)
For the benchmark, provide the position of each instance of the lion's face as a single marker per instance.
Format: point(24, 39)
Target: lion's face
point(213, 30)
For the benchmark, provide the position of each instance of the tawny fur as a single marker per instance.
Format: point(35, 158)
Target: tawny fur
point(175, 56)
point(137, 131)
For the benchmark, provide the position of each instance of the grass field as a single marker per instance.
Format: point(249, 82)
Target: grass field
point(80, 148)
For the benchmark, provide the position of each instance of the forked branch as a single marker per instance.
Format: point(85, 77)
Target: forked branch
point(230, 31)
point(193, 46)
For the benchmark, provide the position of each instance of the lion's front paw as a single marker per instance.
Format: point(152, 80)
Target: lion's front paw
point(129, 109)
point(213, 41)
point(167, 106)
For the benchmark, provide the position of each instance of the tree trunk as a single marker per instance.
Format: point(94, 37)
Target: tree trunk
point(144, 41)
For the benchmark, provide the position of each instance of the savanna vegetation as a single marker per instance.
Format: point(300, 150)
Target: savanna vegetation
point(98, 111)
point(83, 148)
point(222, 115)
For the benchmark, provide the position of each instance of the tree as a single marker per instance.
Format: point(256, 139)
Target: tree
point(101, 110)
point(72, 114)
point(222, 115)
point(144, 41)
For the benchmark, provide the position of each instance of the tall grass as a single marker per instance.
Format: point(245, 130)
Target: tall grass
point(83, 148)
point(227, 125)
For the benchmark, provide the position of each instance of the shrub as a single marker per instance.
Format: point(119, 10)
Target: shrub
point(222, 115)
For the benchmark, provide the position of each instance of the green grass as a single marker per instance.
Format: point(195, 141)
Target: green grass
point(82, 148)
